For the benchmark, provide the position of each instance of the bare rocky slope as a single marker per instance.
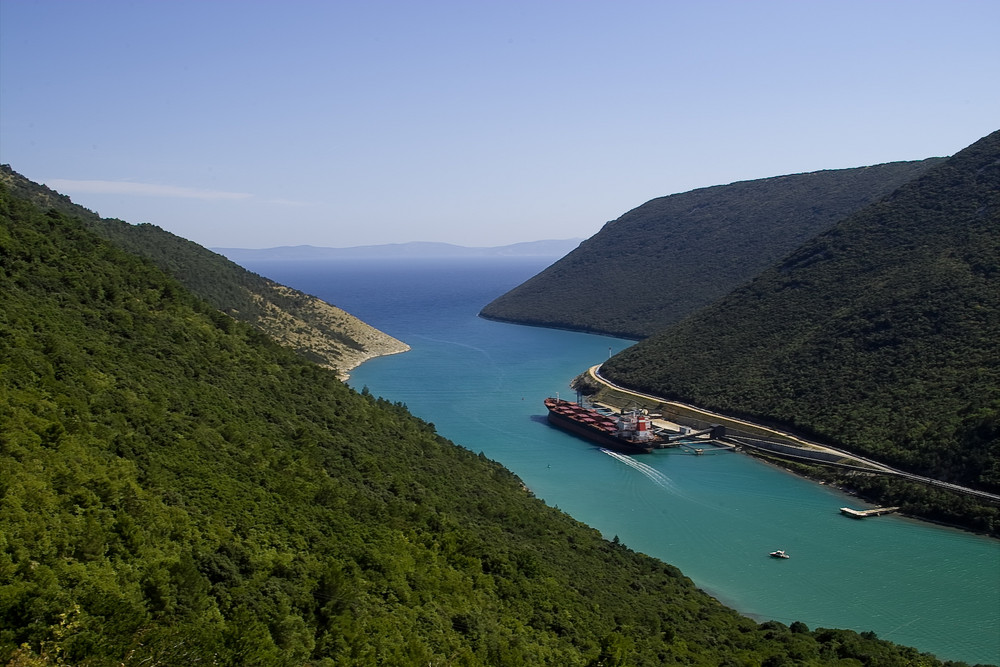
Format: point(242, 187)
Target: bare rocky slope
point(305, 329)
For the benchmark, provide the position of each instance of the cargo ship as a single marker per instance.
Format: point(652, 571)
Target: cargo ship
point(629, 432)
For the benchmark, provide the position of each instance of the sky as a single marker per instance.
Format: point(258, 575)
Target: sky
point(480, 123)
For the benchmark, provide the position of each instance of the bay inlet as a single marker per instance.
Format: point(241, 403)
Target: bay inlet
point(715, 516)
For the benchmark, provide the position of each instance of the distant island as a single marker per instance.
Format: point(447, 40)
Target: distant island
point(414, 250)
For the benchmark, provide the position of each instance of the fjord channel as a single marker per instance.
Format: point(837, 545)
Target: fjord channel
point(715, 516)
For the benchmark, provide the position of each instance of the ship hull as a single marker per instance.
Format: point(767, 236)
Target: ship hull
point(595, 434)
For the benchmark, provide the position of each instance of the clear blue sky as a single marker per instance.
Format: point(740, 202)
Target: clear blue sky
point(482, 122)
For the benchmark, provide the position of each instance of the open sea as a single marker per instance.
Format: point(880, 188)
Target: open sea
point(715, 516)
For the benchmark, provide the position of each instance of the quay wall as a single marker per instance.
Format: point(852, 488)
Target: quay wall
point(787, 450)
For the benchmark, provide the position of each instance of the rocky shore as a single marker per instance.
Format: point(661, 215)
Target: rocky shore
point(324, 333)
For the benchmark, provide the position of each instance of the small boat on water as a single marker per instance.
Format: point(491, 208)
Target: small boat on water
point(780, 553)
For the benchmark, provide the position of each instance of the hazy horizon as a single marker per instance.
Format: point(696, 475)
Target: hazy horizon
point(401, 243)
point(421, 251)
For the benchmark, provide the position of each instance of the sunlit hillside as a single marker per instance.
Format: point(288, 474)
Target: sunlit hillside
point(178, 489)
point(317, 330)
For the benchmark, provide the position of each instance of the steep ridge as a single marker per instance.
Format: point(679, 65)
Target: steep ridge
point(321, 332)
point(880, 334)
point(665, 259)
point(178, 489)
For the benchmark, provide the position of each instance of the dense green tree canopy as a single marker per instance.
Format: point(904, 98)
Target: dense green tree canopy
point(316, 330)
point(881, 335)
point(665, 259)
point(175, 488)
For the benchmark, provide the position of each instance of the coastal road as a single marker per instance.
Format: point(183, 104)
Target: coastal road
point(875, 466)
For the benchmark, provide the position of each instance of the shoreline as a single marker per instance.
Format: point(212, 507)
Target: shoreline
point(803, 465)
point(344, 372)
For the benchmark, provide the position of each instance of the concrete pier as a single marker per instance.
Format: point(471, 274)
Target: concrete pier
point(861, 514)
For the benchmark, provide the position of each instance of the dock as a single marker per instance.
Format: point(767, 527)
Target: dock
point(861, 514)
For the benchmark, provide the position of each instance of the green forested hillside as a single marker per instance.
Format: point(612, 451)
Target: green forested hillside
point(319, 331)
point(176, 489)
point(672, 255)
point(881, 335)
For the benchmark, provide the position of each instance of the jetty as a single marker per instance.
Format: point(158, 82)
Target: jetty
point(861, 514)
point(714, 432)
point(830, 455)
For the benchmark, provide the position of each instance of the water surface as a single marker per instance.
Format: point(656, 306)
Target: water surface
point(715, 516)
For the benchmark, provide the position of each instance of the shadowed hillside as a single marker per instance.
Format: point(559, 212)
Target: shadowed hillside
point(321, 332)
point(672, 255)
point(881, 335)
point(177, 489)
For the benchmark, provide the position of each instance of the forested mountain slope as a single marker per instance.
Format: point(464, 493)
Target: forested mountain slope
point(665, 259)
point(321, 332)
point(177, 489)
point(881, 335)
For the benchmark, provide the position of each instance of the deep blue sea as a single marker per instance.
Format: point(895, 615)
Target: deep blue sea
point(716, 517)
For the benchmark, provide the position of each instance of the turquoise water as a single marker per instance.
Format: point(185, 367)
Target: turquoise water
point(715, 516)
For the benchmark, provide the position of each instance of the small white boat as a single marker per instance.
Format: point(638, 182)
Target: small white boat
point(780, 553)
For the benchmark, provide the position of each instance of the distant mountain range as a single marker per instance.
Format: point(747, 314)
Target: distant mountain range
point(415, 250)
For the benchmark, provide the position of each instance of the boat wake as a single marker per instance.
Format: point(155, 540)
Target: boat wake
point(649, 471)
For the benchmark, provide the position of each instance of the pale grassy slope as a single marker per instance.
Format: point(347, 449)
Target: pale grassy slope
point(319, 331)
point(303, 330)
